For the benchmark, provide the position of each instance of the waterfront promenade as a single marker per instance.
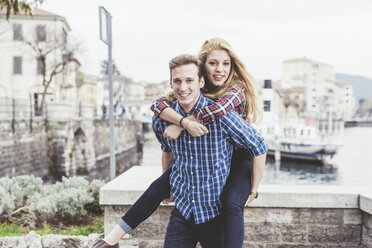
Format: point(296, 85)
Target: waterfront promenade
point(284, 216)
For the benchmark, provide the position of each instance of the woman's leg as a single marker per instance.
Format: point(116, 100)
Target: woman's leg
point(142, 208)
point(234, 197)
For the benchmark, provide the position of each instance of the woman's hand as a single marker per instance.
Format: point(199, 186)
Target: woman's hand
point(172, 132)
point(195, 129)
point(250, 199)
point(168, 200)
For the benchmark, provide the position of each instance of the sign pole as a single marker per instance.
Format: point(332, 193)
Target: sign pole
point(106, 37)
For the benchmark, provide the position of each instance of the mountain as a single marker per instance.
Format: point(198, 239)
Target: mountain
point(362, 86)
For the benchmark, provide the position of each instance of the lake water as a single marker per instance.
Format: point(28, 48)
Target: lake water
point(351, 166)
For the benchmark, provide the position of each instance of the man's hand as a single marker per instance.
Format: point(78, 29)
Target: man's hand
point(250, 199)
point(172, 132)
point(168, 200)
point(195, 129)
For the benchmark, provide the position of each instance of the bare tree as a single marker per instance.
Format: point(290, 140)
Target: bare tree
point(54, 57)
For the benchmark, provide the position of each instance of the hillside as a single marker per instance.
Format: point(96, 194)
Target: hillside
point(362, 86)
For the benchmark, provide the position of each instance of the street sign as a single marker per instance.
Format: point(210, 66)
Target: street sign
point(105, 35)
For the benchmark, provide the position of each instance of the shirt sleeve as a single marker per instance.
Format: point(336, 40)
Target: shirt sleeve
point(159, 105)
point(232, 98)
point(243, 134)
point(158, 130)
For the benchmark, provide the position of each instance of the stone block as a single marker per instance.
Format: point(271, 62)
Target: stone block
point(367, 236)
point(279, 215)
point(253, 215)
point(262, 232)
point(334, 233)
point(352, 216)
point(326, 216)
point(253, 245)
point(367, 220)
point(338, 245)
point(294, 233)
point(33, 240)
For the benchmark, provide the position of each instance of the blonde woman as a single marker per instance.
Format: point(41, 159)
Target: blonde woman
point(228, 82)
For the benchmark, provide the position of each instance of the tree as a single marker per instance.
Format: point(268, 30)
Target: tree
point(16, 6)
point(54, 57)
point(104, 68)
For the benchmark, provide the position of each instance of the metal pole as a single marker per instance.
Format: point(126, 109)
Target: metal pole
point(111, 107)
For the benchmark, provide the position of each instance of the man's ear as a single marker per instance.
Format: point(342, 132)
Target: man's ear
point(201, 82)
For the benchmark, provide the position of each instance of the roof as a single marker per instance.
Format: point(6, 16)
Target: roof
point(38, 14)
point(303, 60)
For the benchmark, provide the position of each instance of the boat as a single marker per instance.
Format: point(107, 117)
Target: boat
point(303, 139)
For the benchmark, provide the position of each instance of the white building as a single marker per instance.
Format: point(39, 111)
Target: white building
point(127, 94)
point(21, 67)
point(323, 94)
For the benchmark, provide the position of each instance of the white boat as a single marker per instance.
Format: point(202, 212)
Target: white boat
point(305, 139)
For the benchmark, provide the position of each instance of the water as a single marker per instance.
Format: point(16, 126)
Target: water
point(351, 166)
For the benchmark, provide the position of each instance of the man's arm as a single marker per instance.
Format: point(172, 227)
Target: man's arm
point(242, 134)
point(166, 160)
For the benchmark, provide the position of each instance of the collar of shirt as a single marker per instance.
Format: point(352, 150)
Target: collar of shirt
point(200, 103)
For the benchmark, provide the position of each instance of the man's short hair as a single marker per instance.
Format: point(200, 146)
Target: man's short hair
point(185, 59)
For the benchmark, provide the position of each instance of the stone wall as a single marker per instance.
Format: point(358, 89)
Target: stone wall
point(33, 240)
point(65, 146)
point(23, 152)
point(282, 217)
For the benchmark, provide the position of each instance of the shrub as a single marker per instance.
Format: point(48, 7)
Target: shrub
point(67, 201)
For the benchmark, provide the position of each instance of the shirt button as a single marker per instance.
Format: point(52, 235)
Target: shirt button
point(189, 141)
point(192, 201)
point(193, 187)
point(191, 157)
point(191, 173)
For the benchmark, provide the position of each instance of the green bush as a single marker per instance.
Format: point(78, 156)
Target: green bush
point(25, 202)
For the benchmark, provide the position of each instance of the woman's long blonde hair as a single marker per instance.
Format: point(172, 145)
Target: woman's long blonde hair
point(238, 73)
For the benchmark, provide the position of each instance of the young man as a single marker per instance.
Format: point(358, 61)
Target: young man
point(200, 165)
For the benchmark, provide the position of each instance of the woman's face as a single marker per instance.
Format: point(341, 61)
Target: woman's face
point(217, 67)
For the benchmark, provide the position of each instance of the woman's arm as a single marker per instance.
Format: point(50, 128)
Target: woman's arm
point(258, 165)
point(161, 109)
point(230, 100)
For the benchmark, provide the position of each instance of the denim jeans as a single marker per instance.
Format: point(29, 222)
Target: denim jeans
point(182, 233)
point(147, 203)
point(234, 197)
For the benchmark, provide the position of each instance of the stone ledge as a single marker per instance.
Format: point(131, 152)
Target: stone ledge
point(126, 189)
point(366, 202)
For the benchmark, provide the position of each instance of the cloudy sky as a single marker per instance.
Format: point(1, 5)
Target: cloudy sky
point(148, 33)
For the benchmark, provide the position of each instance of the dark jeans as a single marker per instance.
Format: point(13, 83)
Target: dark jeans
point(149, 201)
point(182, 233)
point(234, 197)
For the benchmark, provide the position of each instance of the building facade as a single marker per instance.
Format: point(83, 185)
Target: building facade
point(322, 93)
point(23, 39)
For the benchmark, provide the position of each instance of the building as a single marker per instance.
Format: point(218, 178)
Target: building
point(128, 97)
point(22, 42)
point(311, 88)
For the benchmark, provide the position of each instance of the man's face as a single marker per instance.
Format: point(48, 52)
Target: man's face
point(186, 85)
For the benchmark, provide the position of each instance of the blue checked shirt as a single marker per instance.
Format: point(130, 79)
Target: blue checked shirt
point(201, 165)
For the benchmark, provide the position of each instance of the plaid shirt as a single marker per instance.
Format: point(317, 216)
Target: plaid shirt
point(233, 99)
point(201, 165)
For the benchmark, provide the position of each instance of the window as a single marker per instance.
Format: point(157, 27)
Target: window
point(39, 69)
point(17, 65)
point(41, 33)
point(266, 106)
point(17, 32)
point(64, 35)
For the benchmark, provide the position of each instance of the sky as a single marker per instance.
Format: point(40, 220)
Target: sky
point(263, 33)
